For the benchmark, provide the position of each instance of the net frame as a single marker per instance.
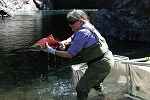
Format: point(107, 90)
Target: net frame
point(136, 82)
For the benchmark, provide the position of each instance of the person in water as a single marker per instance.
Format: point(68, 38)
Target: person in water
point(93, 48)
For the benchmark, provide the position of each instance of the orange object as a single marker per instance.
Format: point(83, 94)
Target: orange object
point(41, 43)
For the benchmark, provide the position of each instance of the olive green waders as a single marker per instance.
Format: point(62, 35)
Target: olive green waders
point(96, 71)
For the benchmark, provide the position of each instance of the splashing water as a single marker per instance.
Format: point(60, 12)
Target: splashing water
point(61, 88)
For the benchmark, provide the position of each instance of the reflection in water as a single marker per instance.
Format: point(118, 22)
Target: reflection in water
point(26, 74)
point(30, 75)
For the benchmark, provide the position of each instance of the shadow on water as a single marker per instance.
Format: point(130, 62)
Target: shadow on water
point(30, 75)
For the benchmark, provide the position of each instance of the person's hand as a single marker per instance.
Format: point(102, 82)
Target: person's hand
point(62, 45)
point(49, 49)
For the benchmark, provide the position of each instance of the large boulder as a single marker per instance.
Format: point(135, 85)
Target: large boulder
point(125, 20)
point(12, 7)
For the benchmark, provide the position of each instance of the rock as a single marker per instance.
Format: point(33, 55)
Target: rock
point(12, 7)
point(4, 14)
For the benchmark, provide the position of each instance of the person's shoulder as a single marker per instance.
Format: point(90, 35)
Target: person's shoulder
point(84, 30)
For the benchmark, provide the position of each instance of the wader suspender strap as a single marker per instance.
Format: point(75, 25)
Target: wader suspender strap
point(95, 33)
point(99, 39)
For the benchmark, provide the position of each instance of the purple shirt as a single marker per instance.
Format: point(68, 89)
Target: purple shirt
point(82, 39)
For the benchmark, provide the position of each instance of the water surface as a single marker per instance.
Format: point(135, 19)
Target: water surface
point(31, 75)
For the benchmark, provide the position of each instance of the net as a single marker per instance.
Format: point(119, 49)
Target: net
point(115, 83)
point(139, 77)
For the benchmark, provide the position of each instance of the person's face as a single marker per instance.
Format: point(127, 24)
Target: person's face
point(75, 25)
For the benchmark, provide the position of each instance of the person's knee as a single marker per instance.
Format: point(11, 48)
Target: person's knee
point(79, 88)
point(82, 96)
point(82, 88)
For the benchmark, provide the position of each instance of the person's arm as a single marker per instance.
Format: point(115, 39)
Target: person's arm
point(64, 54)
point(64, 43)
point(67, 41)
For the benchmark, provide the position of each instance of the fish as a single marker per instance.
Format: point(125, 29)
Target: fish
point(52, 42)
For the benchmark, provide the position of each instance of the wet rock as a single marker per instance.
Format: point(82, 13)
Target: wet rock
point(13, 6)
point(4, 14)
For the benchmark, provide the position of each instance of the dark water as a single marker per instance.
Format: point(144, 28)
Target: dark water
point(30, 75)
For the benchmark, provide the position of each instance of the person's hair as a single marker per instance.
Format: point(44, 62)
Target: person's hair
point(77, 15)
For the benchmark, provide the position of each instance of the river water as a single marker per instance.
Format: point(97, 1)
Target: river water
point(32, 75)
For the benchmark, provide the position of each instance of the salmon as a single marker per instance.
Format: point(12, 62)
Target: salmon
point(52, 42)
